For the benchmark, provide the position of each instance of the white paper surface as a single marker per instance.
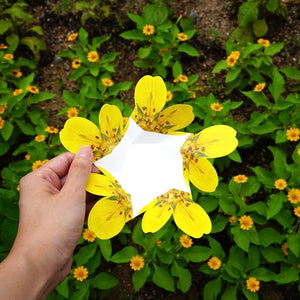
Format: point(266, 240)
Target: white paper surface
point(146, 164)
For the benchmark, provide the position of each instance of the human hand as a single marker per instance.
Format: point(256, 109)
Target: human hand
point(52, 211)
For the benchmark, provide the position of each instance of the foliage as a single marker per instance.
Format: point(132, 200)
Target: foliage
point(255, 229)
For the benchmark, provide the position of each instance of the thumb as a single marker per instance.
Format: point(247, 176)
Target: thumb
point(79, 171)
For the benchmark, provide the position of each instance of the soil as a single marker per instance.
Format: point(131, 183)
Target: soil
point(214, 21)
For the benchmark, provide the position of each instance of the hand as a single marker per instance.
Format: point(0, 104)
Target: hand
point(52, 211)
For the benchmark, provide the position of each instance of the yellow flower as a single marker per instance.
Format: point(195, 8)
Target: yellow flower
point(76, 63)
point(265, 43)
point(109, 215)
point(137, 263)
point(297, 211)
point(150, 98)
point(189, 216)
point(16, 73)
point(186, 241)
point(72, 112)
point(79, 131)
point(241, 178)
point(3, 46)
point(148, 29)
point(80, 273)
point(8, 56)
point(72, 36)
point(17, 92)
point(252, 284)
point(259, 87)
point(27, 156)
point(32, 89)
point(38, 164)
point(212, 142)
point(1, 123)
point(107, 82)
point(3, 107)
point(182, 78)
point(293, 134)
point(89, 235)
point(232, 58)
point(193, 94)
point(158, 243)
point(246, 222)
point(285, 249)
point(182, 36)
point(169, 96)
point(232, 219)
point(294, 196)
point(280, 184)
point(298, 151)
point(93, 56)
point(39, 138)
point(214, 263)
point(216, 106)
point(51, 129)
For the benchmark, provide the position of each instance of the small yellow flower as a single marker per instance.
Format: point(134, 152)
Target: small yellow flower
point(294, 196)
point(17, 92)
point(89, 235)
point(33, 89)
point(265, 43)
point(216, 106)
point(182, 78)
point(298, 151)
point(38, 164)
point(27, 156)
point(8, 56)
point(158, 243)
point(148, 29)
point(185, 241)
point(17, 73)
point(193, 94)
point(232, 58)
point(297, 211)
point(51, 129)
point(252, 284)
point(3, 46)
point(280, 184)
point(18, 188)
point(137, 263)
point(169, 96)
point(72, 112)
point(214, 263)
point(76, 63)
point(232, 219)
point(93, 56)
point(182, 36)
point(1, 123)
point(3, 107)
point(246, 222)
point(241, 178)
point(293, 134)
point(285, 249)
point(39, 138)
point(72, 36)
point(107, 82)
point(259, 87)
point(80, 273)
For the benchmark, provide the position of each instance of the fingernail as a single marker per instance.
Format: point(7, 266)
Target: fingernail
point(85, 151)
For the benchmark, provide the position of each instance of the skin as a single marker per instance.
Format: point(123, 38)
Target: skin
point(52, 212)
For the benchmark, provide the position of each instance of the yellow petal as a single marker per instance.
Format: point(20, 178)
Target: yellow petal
point(192, 219)
point(156, 217)
point(111, 121)
point(150, 95)
point(78, 132)
point(106, 218)
point(176, 117)
point(203, 175)
point(217, 141)
point(100, 185)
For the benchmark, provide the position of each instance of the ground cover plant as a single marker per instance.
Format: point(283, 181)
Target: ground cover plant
point(253, 249)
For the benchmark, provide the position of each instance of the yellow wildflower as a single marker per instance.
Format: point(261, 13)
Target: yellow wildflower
point(93, 56)
point(259, 87)
point(137, 263)
point(216, 106)
point(148, 29)
point(169, 96)
point(1, 123)
point(51, 129)
point(241, 178)
point(17, 73)
point(182, 36)
point(32, 89)
point(214, 263)
point(38, 164)
point(232, 58)
point(8, 56)
point(158, 243)
point(232, 219)
point(3, 107)
point(80, 273)
point(27, 156)
point(89, 235)
point(293, 134)
point(185, 241)
point(280, 184)
point(246, 222)
point(182, 78)
point(193, 94)
point(107, 82)
point(3, 46)
point(294, 196)
point(76, 63)
point(285, 249)
point(297, 211)
point(72, 36)
point(252, 284)
point(72, 112)
point(39, 138)
point(17, 92)
point(265, 43)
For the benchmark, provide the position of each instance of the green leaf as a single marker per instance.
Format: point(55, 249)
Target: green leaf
point(184, 277)
point(84, 254)
point(291, 72)
point(277, 86)
point(78, 73)
point(188, 49)
point(7, 130)
point(105, 247)
point(293, 240)
point(5, 25)
point(63, 288)
point(258, 98)
point(40, 97)
point(221, 65)
point(196, 253)
point(274, 204)
point(26, 127)
point(212, 289)
point(260, 27)
point(264, 176)
point(240, 238)
point(248, 13)
point(232, 74)
point(176, 69)
point(34, 44)
point(155, 14)
point(139, 278)
point(229, 293)
point(288, 275)
point(104, 281)
point(273, 49)
point(219, 223)
point(270, 236)
point(133, 35)
point(124, 255)
point(248, 294)
point(163, 279)
point(4, 147)
point(272, 254)
point(144, 52)
point(216, 248)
